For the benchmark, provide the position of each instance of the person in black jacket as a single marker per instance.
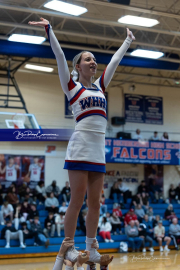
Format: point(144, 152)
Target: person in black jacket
point(28, 233)
point(172, 194)
point(142, 188)
point(9, 232)
point(33, 213)
point(143, 234)
point(66, 192)
point(36, 227)
point(49, 225)
point(178, 193)
point(1, 195)
point(115, 193)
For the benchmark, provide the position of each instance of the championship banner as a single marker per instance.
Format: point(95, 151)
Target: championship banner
point(143, 109)
point(153, 110)
point(142, 152)
point(21, 169)
point(134, 108)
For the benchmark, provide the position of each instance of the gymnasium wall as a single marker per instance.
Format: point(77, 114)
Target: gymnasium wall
point(45, 99)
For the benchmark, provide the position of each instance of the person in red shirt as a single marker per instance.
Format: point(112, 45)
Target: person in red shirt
point(117, 210)
point(130, 216)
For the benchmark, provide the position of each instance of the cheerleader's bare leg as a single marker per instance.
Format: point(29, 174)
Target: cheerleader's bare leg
point(78, 183)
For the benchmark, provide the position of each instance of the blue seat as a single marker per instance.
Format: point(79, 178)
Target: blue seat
point(43, 213)
point(109, 201)
point(40, 207)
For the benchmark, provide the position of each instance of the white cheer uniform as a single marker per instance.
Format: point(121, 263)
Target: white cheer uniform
point(86, 148)
point(11, 173)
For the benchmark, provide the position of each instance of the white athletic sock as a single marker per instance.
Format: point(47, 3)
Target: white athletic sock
point(89, 242)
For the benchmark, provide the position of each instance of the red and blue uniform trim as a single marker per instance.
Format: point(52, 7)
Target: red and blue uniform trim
point(101, 81)
point(77, 95)
point(91, 112)
point(47, 27)
point(84, 166)
point(71, 84)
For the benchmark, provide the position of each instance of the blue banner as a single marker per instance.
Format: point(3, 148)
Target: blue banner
point(134, 108)
point(35, 134)
point(151, 152)
point(153, 110)
point(143, 109)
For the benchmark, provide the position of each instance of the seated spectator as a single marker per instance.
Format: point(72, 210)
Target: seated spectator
point(9, 232)
point(33, 212)
point(165, 137)
point(49, 225)
point(40, 237)
point(150, 213)
point(145, 237)
point(124, 190)
point(145, 201)
point(63, 209)
point(115, 194)
point(172, 194)
point(174, 232)
point(136, 199)
point(82, 220)
point(6, 213)
point(13, 185)
point(178, 193)
point(25, 209)
point(22, 191)
point(155, 191)
point(130, 216)
point(28, 195)
point(59, 222)
point(142, 188)
point(116, 223)
point(1, 195)
point(156, 220)
point(105, 230)
point(66, 192)
point(169, 213)
point(138, 135)
point(132, 233)
point(107, 215)
point(53, 188)
point(27, 233)
point(52, 203)
point(18, 217)
point(139, 211)
point(159, 236)
point(155, 137)
point(12, 197)
point(117, 210)
point(149, 228)
point(41, 192)
point(103, 206)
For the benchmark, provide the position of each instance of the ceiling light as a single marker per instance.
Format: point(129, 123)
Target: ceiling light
point(26, 39)
point(66, 8)
point(135, 20)
point(40, 68)
point(147, 54)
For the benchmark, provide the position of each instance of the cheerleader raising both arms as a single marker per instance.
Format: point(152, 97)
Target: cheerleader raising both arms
point(85, 156)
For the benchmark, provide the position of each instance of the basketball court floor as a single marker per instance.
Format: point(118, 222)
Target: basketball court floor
point(129, 261)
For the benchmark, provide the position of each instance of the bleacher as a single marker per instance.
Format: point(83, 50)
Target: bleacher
point(55, 242)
